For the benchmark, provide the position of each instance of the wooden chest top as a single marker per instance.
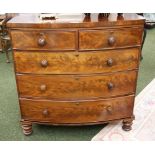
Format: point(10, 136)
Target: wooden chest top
point(74, 21)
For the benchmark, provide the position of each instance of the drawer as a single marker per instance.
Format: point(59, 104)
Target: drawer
point(110, 38)
point(44, 39)
point(76, 62)
point(77, 112)
point(76, 86)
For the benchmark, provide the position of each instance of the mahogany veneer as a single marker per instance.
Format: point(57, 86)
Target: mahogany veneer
point(76, 62)
point(76, 86)
point(76, 70)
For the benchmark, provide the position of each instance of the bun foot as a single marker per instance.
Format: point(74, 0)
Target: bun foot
point(27, 127)
point(127, 124)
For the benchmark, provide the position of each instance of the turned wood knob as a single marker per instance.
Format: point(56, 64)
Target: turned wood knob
point(41, 41)
point(44, 63)
point(111, 41)
point(45, 112)
point(109, 108)
point(43, 87)
point(110, 62)
point(110, 86)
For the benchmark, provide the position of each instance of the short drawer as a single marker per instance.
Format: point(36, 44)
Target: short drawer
point(77, 112)
point(76, 62)
point(76, 86)
point(44, 39)
point(109, 38)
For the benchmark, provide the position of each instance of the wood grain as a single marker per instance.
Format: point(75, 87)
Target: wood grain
point(71, 112)
point(76, 62)
point(76, 21)
point(99, 39)
point(76, 86)
point(54, 40)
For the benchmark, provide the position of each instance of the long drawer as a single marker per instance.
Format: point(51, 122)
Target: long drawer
point(44, 39)
point(109, 38)
point(76, 62)
point(76, 86)
point(77, 112)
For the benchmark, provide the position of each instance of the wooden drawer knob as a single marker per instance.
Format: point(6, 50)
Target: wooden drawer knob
point(44, 63)
point(43, 87)
point(110, 62)
point(111, 40)
point(41, 41)
point(45, 112)
point(109, 108)
point(110, 86)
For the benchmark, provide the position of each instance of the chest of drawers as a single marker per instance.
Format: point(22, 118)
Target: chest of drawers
point(78, 72)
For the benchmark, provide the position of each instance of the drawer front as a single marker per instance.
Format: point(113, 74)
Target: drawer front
point(76, 86)
point(76, 63)
point(111, 38)
point(44, 40)
point(77, 112)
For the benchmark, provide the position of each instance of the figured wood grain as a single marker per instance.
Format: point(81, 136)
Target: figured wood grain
point(71, 112)
point(54, 40)
point(76, 63)
point(99, 39)
point(76, 86)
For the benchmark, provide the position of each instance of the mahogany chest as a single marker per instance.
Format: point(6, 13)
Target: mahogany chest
point(76, 70)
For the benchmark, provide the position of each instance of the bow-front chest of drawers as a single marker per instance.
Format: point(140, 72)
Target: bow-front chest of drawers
point(76, 70)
